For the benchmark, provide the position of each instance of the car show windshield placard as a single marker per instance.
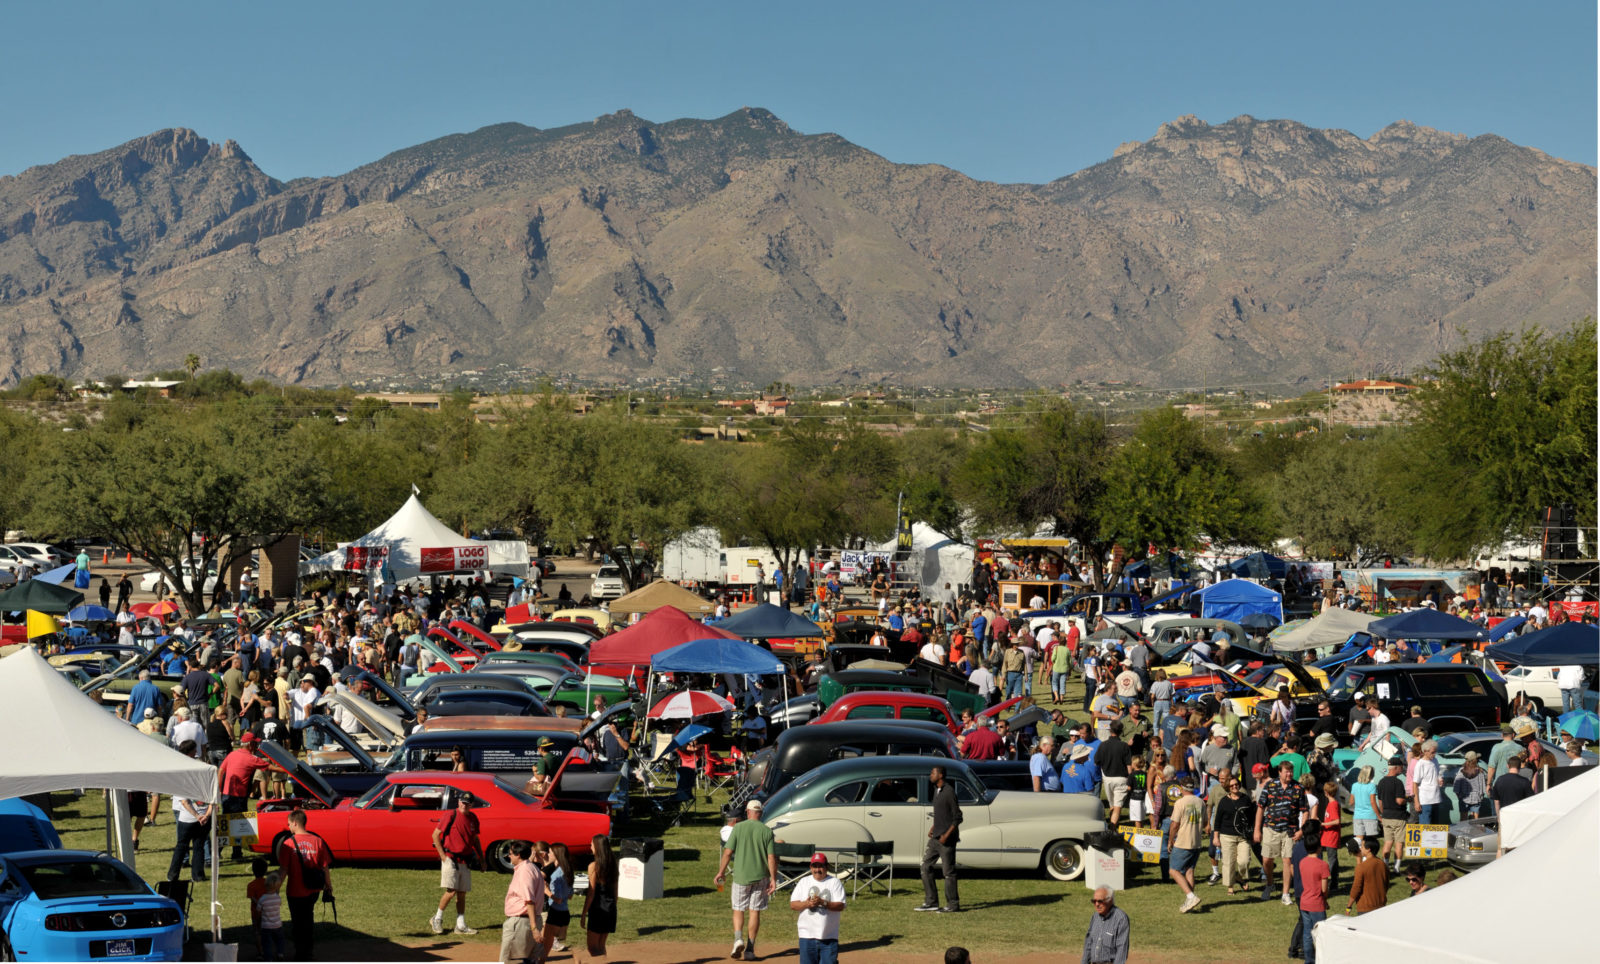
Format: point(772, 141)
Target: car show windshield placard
point(454, 558)
point(1427, 841)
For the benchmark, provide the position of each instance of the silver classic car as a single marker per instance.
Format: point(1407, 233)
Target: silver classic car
point(869, 799)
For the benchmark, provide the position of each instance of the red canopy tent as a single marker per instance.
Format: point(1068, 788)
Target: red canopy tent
point(663, 629)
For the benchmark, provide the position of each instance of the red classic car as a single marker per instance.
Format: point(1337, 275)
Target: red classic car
point(394, 821)
point(888, 705)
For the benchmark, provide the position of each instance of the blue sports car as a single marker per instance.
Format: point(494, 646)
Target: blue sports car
point(73, 905)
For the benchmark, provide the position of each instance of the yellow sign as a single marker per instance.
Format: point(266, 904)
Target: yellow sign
point(1144, 841)
point(242, 829)
point(1427, 841)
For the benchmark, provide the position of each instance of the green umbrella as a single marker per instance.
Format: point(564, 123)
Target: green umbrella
point(39, 596)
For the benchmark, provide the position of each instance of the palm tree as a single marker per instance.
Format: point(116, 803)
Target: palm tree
point(191, 361)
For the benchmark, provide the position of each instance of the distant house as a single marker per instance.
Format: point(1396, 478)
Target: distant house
point(162, 388)
point(772, 406)
point(1368, 387)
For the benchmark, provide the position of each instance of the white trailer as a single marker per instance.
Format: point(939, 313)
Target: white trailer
point(694, 558)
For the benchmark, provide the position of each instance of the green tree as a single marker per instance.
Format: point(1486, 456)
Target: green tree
point(1501, 429)
point(1338, 499)
point(228, 472)
point(191, 363)
point(1171, 486)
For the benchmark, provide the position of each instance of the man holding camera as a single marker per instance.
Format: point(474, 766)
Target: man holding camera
point(456, 840)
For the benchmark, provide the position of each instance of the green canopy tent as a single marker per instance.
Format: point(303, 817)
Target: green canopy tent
point(40, 597)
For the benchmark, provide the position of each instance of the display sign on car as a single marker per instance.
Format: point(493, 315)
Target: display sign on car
point(454, 559)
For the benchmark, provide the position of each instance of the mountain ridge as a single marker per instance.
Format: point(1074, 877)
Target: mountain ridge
point(620, 245)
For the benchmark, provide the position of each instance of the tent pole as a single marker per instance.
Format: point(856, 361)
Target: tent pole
point(216, 817)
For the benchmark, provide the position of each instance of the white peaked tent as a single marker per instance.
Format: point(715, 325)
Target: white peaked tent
point(407, 533)
point(62, 740)
point(1330, 628)
point(936, 559)
point(1526, 819)
point(1555, 872)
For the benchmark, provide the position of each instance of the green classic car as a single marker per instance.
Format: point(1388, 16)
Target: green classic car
point(838, 805)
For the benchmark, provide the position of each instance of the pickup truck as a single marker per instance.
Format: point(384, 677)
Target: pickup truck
point(1121, 608)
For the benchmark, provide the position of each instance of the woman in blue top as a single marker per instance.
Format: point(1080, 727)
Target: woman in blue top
point(558, 890)
point(1364, 818)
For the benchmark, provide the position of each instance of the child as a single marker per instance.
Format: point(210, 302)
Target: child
point(558, 890)
point(271, 906)
point(253, 891)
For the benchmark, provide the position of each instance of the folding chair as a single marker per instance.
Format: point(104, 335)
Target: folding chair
point(717, 770)
point(874, 864)
point(659, 769)
point(798, 855)
point(179, 892)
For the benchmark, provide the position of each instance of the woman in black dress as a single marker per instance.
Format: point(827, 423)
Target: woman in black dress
point(600, 902)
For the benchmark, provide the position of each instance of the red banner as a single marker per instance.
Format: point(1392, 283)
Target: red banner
point(1576, 610)
point(362, 558)
point(454, 559)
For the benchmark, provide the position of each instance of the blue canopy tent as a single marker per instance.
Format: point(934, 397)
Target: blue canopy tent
point(1425, 623)
point(1260, 565)
point(1234, 599)
point(767, 621)
point(1569, 644)
point(1506, 627)
point(716, 656)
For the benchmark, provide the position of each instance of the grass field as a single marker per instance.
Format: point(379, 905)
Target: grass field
point(390, 905)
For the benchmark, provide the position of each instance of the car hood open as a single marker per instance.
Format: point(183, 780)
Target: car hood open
point(307, 779)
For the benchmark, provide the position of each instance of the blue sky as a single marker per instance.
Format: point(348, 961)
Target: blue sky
point(1000, 91)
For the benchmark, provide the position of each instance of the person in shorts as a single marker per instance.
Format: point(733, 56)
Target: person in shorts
point(755, 876)
point(456, 841)
point(1278, 819)
point(1394, 809)
point(1188, 822)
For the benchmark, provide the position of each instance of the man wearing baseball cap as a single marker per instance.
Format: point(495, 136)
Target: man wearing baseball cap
point(819, 900)
point(237, 771)
point(755, 877)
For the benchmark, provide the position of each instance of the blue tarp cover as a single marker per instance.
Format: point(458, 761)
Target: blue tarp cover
point(715, 656)
point(1425, 624)
point(1565, 645)
point(767, 621)
point(1234, 599)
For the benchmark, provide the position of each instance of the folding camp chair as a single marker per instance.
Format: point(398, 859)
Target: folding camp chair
point(874, 863)
point(717, 770)
point(798, 856)
point(179, 892)
point(660, 769)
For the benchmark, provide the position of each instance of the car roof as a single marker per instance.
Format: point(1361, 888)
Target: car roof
point(33, 857)
point(894, 697)
point(1385, 669)
point(869, 766)
point(442, 776)
point(847, 730)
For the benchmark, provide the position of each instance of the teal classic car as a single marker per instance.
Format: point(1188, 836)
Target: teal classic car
point(871, 799)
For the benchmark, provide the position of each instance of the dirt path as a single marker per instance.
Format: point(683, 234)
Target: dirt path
point(668, 952)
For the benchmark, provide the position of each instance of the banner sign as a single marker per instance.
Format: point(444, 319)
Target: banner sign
point(362, 558)
point(1427, 841)
point(241, 829)
point(454, 559)
point(1575, 609)
point(902, 532)
point(1144, 841)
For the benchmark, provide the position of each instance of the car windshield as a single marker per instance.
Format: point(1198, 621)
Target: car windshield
point(81, 878)
point(1346, 685)
point(1449, 742)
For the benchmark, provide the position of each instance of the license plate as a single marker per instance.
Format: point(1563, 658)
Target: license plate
point(119, 948)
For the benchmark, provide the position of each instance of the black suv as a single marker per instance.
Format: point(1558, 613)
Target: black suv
point(1453, 696)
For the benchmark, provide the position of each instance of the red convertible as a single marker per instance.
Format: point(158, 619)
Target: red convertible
point(395, 820)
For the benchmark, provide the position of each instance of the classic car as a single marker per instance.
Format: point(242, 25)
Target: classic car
point(922, 707)
point(74, 905)
point(395, 820)
point(528, 657)
point(843, 803)
point(597, 622)
point(1473, 843)
point(803, 748)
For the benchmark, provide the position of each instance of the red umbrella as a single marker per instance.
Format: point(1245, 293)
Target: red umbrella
point(688, 705)
point(140, 609)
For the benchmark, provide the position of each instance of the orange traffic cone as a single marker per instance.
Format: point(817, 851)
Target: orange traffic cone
point(130, 555)
point(105, 556)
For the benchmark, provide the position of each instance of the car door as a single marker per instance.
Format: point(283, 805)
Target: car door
point(1459, 693)
point(403, 829)
point(898, 808)
point(982, 840)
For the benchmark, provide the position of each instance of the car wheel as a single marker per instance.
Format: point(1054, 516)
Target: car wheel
point(1538, 704)
point(1064, 860)
point(6, 953)
point(499, 854)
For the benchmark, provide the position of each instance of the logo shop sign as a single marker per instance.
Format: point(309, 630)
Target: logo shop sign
point(454, 559)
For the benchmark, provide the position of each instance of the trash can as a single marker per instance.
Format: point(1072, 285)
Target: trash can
point(1104, 853)
point(640, 868)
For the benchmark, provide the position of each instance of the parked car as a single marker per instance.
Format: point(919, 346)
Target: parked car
point(1473, 843)
point(1454, 696)
point(44, 556)
point(1539, 682)
point(921, 707)
point(395, 820)
point(607, 583)
point(840, 804)
point(803, 748)
point(74, 905)
point(150, 581)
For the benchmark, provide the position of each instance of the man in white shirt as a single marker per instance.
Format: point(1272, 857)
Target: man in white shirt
point(186, 729)
point(932, 652)
point(1570, 681)
point(819, 900)
point(984, 681)
point(1426, 777)
point(300, 707)
point(1379, 731)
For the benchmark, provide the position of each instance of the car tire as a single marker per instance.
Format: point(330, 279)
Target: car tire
point(499, 854)
point(1538, 704)
point(1065, 860)
point(6, 953)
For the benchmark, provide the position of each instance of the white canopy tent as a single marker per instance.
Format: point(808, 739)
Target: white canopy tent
point(1555, 872)
point(1331, 627)
point(935, 559)
point(413, 543)
point(1526, 819)
point(78, 744)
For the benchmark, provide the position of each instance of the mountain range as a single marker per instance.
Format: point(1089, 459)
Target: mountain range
point(1253, 249)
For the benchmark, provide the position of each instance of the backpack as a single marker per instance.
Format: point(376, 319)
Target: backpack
point(311, 876)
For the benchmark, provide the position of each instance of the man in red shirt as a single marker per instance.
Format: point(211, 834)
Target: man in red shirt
point(305, 859)
point(456, 840)
point(982, 743)
point(237, 771)
point(1316, 879)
